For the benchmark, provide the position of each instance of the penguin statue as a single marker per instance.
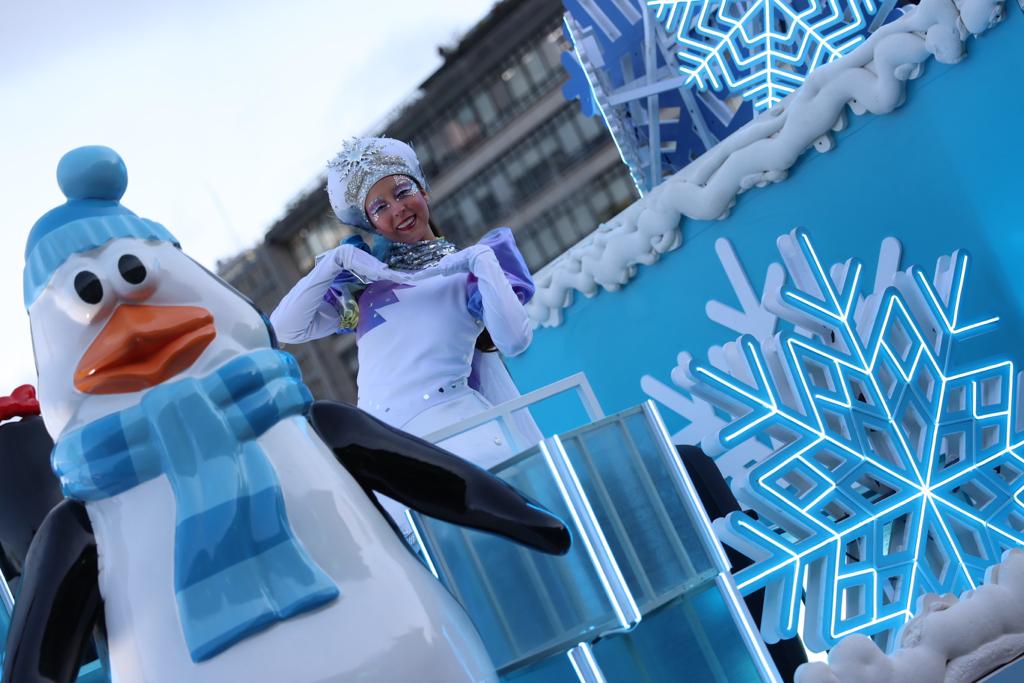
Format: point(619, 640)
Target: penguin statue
point(205, 519)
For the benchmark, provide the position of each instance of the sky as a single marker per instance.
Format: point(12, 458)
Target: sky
point(223, 110)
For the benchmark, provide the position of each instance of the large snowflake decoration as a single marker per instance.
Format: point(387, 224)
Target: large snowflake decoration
point(878, 468)
point(762, 49)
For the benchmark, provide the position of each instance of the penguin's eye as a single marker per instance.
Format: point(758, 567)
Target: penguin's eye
point(131, 269)
point(88, 287)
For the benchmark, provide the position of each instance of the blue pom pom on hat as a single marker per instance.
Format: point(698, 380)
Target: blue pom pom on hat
point(93, 179)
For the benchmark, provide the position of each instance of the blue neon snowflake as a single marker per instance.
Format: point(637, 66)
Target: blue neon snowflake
point(879, 469)
point(762, 49)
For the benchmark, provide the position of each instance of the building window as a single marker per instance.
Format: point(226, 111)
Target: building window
point(485, 107)
point(534, 66)
point(564, 225)
point(518, 82)
point(536, 162)
point(319, 236)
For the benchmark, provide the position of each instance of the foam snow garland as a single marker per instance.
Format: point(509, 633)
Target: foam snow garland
point(870, 79)
point(950, 640)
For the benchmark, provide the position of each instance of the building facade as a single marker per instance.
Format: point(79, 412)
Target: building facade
point(499, 145)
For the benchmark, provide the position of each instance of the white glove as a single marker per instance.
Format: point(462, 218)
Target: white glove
point(460, 262)
point(363, 265)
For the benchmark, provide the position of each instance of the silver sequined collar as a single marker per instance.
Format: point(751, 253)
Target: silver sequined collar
point(418, 255)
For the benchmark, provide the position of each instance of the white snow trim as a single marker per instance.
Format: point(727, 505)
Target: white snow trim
point(950, 640)
point(869, 79)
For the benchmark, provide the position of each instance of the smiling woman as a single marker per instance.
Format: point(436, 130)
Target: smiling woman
point(398, 209)
point(427, 316)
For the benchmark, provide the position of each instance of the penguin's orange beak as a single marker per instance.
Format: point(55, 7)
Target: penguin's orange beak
point(142, 346)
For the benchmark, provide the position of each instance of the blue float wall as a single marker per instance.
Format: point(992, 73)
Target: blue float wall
point(942, 172)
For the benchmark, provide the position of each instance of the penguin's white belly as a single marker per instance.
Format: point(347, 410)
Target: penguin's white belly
point(392, 622)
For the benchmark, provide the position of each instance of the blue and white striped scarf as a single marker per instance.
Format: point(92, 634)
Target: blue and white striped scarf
point(237, 566)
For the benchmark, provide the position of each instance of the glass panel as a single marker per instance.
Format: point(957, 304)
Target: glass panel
point(501, 187)
point(569, 137)
point(500, 94)
point(517, 83)
point(564, 231)
point(639, 506)
point(531, 154)
point(548, 243)
point(621, 191)
point(300, 252)
point(487, 207)
point(423, 151)
point(467, 121)
point(554, 669)
point(485, 107)
point(590, 126)
point(694, 633)
point(531, 252)
point(551, 50)
point(583, 221)
point(439, 141)
point(548, 146)
point(524, 603)
point(454, 135)
point(470, 213)
point(534, 67)
point(315, 242)
point(602, 202)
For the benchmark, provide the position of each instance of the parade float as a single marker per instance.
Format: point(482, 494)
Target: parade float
point(779, 396)
point(827, 302)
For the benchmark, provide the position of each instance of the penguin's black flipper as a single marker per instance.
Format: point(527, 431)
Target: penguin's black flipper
point(59, 600)
point(431, 480)
point(28, 490)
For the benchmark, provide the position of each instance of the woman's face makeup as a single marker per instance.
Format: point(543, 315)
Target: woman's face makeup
point(398, 209)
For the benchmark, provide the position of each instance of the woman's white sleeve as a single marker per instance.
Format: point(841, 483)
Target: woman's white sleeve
point(504, 316)
point(304, 314)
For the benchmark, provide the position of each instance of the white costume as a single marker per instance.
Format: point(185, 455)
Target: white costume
point(417, 329)
point(416, 336)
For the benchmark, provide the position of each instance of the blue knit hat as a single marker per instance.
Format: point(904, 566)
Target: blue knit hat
point(93, 179)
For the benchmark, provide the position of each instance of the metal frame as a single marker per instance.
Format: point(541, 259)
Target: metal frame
point(6, 597)
point(503, 412)
point(612, 580)
point(583, 663)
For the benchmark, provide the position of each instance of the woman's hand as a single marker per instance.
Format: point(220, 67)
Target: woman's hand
point(363, 265)
point(460, 262)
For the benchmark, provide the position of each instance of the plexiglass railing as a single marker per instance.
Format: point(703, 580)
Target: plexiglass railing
point(643, 549)
point(528, 605)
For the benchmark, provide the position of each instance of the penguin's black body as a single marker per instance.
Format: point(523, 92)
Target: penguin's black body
point(28, 488)
point(60, 600)
point(29, 491)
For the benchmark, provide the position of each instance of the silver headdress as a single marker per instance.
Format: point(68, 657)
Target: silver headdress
point(361, 163)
